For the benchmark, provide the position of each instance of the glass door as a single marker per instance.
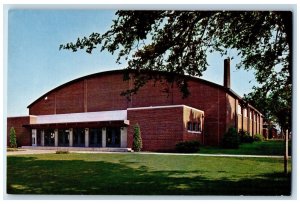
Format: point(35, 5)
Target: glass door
point(113, 137)
point(78, 137)
point(95, 137)
point(63, 137)
point(49, 137)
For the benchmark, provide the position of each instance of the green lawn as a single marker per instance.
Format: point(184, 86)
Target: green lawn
point(138, 174)
point(270, 147)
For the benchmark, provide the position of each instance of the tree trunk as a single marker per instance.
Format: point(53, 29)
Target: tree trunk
point(286, 153)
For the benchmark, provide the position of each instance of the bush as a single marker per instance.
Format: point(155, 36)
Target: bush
point(137, 139)
point(258, 138)
point(231, 139)
point(12, 138)
point(62, 152)
point(245, 137)
point(188, 147)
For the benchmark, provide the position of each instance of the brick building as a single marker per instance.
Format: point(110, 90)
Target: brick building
point(90, 112)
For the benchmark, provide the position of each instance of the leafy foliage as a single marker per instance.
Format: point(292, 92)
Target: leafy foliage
point(245, 137)
point(62, 152)
point(275, 105)
point(179, 41)
point(231, 139)
point(137, 139)
point(12, 138)
point(188, 147)
point(258, 138)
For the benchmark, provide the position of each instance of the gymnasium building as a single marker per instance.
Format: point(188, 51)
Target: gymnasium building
point(90, 113)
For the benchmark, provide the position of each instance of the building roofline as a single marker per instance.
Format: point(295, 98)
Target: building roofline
point(164, 107)
point(122, 71)
point(74, 81)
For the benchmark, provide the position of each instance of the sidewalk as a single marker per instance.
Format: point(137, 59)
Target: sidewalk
point(31, 151)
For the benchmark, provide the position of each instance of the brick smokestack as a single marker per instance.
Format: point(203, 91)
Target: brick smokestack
point(227, 73)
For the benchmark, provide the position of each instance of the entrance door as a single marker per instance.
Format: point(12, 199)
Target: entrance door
point(95, 137)
point(78, 137)
point(49, 137)
point(113, 137)
point(63, 137)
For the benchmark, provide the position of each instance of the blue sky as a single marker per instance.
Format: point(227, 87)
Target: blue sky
point(35, 65)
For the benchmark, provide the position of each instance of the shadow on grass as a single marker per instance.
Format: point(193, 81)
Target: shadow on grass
point(26, 175)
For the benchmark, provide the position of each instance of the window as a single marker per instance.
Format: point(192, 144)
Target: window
point(239, 109)
point(190, 126)
point(194, 126)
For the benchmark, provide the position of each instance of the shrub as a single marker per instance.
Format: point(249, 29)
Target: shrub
point(245, 137)
point(188, 147)
point(137, 139)
point(231, 139)
point(62, 152)
point(12, 138)
point(258, 138)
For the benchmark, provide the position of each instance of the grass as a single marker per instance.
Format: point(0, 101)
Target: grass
point(141, 174)
point(270, 147)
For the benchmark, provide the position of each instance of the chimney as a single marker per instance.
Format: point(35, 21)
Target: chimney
point(227, 73)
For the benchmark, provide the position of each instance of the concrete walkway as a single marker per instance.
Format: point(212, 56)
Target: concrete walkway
point(31, 151)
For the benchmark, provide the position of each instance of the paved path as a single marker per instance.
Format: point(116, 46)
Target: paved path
point(31, 151)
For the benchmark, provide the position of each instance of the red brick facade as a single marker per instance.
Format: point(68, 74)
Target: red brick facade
point(101, 92)
point(23, 134)
point(163, 127)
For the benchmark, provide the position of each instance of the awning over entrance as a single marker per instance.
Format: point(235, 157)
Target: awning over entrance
point(88, 117)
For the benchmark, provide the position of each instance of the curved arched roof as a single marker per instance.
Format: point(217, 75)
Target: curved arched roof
point(122, 71)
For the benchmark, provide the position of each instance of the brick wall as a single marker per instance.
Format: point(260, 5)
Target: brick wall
point(23, 134)
point(70, 99)
point(211, 100)
point(161, 128)
point(231, 112)
point(193, 116)
point(101, 92)
point(44, 106)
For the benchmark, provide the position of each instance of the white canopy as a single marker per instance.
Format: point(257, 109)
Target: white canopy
point(117, 115)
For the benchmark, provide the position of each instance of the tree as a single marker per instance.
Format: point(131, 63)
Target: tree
point(179, 41)
point(12, 138)
point(137, 139)
point(276, 106)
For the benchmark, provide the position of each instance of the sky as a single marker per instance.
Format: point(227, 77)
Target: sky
point(35, 65)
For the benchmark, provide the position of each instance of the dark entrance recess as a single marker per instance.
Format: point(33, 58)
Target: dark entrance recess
point(63, 137)
point(78, 137)
point(49, 137)
point(95, 137)
point(113, 137)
